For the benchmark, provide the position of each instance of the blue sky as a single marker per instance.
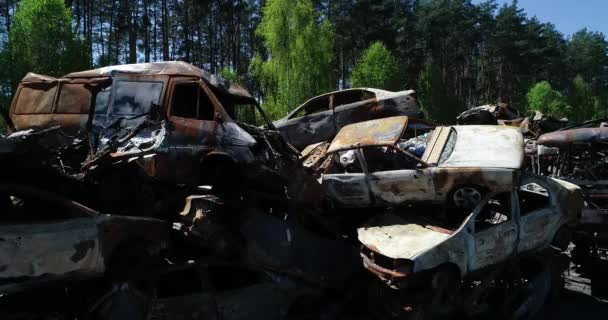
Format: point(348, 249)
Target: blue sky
point(568, 16)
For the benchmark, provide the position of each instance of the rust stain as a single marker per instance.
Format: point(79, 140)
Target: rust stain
point(379, 132)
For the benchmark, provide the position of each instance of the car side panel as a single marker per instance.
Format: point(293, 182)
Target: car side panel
point(453, 250)
point(537, 229)
point(491, 179)
point(494, 245)
point(296, 131)
point(402, 105)
point(321, 126)
point(348, 190)
point(399, 186)
point(57, 248)
point(358, 112)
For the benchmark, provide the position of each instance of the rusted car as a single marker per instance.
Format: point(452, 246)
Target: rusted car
point(49, 242)
point(171, 121)
point(578, 155)
point(396, 161)
point(320, 118)
point(423, 253)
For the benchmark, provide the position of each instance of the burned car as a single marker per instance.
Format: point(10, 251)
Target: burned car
point(396, 161)
point(420, 252)
point(320, 118)
point(49, 242)
point(172, 123)
point(578, 155)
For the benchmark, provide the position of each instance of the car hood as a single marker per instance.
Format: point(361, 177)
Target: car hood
point(398, 238)
point(487, 146)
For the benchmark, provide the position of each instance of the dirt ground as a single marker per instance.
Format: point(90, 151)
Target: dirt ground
point(585, 295)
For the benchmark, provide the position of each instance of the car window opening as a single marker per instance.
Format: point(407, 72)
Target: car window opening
point(532, 197)
point(494, 212)
point(189, 101)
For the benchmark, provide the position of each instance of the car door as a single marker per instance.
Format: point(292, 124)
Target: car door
point(395, 178)
point(347, 187)
point(538, 217)
point(495, 231)
point(192, 125)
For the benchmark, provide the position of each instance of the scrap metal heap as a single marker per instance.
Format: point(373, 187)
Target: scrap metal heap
point(578, 154)
point(160, 191)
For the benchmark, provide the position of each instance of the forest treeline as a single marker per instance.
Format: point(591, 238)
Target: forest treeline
point(455, 53)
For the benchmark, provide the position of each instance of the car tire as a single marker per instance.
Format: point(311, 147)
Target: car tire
point(465, 197)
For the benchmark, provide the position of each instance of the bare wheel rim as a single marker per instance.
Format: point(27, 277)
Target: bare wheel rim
point(467, 197)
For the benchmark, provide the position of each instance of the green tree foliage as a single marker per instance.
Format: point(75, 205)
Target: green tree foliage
point(477, 52)
point(437, 103)
point(230, 75)
point(584, 103)
point(377, 68)
point(300, 54)
point(543, 98)
point(587, 55)
point(41, 40)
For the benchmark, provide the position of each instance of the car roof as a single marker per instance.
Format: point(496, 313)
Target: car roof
point(378, 132)
point(169, 68)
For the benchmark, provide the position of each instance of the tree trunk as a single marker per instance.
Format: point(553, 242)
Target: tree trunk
point(165, 30)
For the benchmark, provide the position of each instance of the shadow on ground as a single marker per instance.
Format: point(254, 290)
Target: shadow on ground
point(574, 305)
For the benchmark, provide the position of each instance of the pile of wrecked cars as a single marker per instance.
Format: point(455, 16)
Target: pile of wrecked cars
point(578, 154)
point(160, 191)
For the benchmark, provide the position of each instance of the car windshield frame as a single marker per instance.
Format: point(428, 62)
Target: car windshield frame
point(146, 108)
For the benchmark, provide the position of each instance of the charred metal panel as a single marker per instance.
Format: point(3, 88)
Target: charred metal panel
point(360, 111)
point(492, 179)
point(43, 101)
point(33, 250)
point(369, 133)
point(349, 190)
point(321, 125)
point(399, 186)
point(279, 245)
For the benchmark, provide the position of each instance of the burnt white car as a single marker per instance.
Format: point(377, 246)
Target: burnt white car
point(321, 117)
point(537, 214)
point(396, 161)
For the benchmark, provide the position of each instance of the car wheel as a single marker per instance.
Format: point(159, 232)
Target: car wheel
point(466, 197)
